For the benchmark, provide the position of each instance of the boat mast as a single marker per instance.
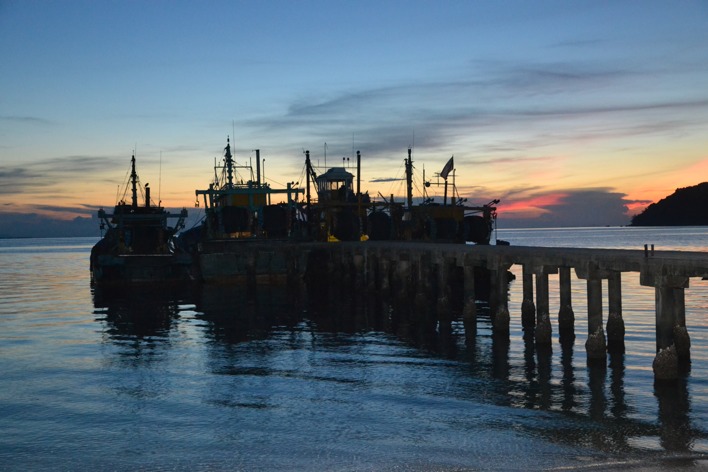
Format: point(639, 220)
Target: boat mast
point(229, 164)
point(409, 179)
point(358, 173)
point(310, 175)
point(134, 181)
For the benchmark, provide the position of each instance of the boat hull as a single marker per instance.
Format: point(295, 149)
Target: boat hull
point(240, 260)
point(140, 269)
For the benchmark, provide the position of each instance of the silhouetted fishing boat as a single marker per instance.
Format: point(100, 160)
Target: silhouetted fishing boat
point(336, 212)
point(253, 231)
point(453, 220)
point(137, 246)
point(240, 212)
point(341, 213)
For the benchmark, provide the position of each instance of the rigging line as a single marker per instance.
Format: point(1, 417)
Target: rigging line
point(398, 181)
point(126, 181)
point(159, 183)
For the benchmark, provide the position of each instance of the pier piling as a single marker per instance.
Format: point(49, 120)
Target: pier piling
point(615, 323)
point(543, 332)
point(429, 281)
point(499, 299)
point(595, 346)
point(528, 309)
point(566, 316)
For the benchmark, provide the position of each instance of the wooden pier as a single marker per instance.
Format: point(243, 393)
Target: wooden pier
point(426, 273)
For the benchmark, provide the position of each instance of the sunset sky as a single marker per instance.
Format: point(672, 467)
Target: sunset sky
point(572, 113)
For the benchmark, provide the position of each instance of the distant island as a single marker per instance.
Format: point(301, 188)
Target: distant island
point(685, 207)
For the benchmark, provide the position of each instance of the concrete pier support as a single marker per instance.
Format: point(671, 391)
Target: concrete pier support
point(670, 313)
point(681, 338)
point(443, 296)
point(594, 286)
point(665, 316)
point(409, 273)
point(615, 323)
point(251, 281)
point(566, 316)
point(499, 302)
point(670, 305)
point(543, 332)
point(371, 265)
point(401, 281)
point(528, 309)
point(671, 334)
point(469, 309)
point(359, 273)
point(384, 275)
point(595, 346)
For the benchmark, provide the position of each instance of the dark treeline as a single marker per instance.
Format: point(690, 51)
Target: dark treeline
point(685, 207)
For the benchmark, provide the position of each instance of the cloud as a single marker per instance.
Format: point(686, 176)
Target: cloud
point(14, 179)
point(23, 225)
point(385, 179)
point(532, 102)
point(46, 173)
point(565, 208)
point(37, 223)
point(31, 120)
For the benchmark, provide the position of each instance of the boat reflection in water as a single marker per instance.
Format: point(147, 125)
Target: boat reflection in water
point(141, 313)
point(286, 349)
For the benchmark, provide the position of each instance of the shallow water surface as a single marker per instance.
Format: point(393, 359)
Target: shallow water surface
point(214, 378)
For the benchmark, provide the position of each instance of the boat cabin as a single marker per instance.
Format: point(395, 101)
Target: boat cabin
point(335, 185)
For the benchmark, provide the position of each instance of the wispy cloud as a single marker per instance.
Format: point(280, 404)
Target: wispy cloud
point(30, 120)
point(530, 101)
point(385, 179)
point(47, 173)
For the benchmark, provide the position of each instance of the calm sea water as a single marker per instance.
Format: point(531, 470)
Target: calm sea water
point(214, 378)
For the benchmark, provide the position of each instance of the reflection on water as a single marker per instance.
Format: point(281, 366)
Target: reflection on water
point(289, 378)
point(261, 334)
point(137, 313)
point(675, 428)
point(235, 314)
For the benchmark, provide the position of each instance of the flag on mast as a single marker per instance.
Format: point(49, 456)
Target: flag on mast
point(447, 169)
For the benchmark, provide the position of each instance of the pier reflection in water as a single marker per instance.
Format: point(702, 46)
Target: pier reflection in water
point(349, 349)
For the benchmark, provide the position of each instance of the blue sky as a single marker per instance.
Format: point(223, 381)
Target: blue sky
point(570, 112)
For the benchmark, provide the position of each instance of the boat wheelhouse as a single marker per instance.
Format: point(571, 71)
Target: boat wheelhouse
point(239, 204)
